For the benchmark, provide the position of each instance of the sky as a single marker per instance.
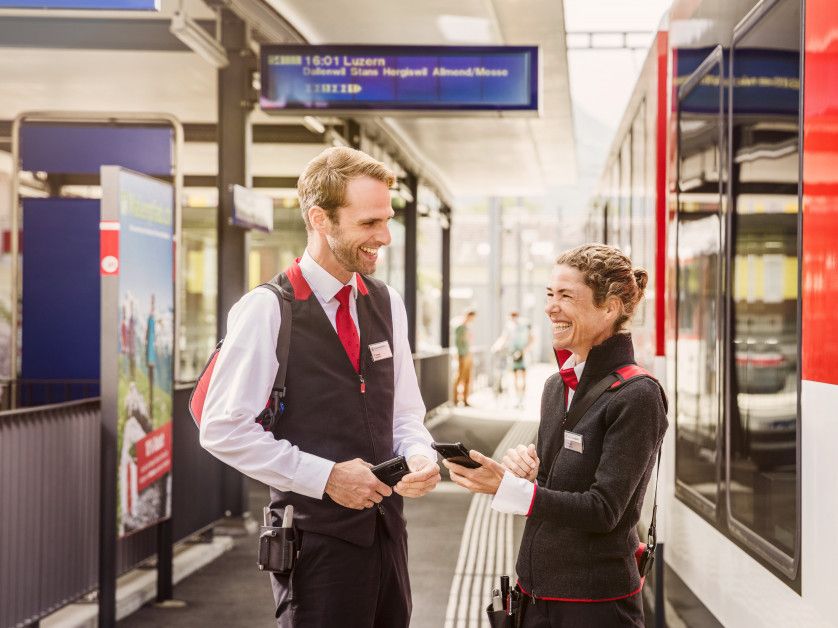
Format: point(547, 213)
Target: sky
point(605, 96)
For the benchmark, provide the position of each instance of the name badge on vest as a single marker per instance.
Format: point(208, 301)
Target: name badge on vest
point(573, 442)
point(380, 351)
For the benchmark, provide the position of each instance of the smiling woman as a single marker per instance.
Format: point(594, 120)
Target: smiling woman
point(582, 487)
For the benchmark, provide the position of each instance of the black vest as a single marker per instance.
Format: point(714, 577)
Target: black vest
point(334, 412)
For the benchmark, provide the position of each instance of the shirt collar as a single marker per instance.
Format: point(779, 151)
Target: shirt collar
point(571, 363)
point(322, 283)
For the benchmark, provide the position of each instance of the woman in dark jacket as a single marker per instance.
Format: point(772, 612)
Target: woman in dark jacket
point(582, 490)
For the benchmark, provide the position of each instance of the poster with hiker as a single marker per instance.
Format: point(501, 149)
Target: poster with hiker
point(145, 377)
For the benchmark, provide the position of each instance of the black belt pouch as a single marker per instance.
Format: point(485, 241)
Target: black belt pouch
point(277, 549)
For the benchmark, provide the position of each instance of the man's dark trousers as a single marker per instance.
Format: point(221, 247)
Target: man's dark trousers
point(336, 583)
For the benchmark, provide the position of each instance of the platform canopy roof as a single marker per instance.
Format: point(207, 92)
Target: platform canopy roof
point(468, 155)
point(129, 61)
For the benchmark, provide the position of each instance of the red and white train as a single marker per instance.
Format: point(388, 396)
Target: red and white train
point(723, 182)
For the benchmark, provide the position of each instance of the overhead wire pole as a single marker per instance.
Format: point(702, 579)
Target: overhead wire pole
point(495, 277)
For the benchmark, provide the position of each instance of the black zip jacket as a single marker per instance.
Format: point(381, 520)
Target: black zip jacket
point(580, 536)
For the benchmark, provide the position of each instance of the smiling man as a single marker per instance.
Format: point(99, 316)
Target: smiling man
point(352, 402)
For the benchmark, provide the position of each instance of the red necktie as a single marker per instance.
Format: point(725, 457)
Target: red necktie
point(570, 381)
point(347, 332)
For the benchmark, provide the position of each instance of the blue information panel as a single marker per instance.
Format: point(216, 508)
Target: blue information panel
point(442, 78)
point(100, 5)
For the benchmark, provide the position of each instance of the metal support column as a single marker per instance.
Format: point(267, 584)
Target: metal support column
point(352, 133)
point(410, 262)
point(165, 556)
point(519, 265)
point(234, 103)
point(495, 292)
point(445, 306)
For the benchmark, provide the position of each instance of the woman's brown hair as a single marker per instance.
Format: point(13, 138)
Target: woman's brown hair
point(608, 272)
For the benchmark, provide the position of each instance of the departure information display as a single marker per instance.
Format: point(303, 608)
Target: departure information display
point(97, 5)
point(443, 78)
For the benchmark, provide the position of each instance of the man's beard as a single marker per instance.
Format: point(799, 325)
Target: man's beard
point(348, 256)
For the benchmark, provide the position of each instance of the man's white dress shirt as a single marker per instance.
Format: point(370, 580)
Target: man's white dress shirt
point(244, 375)
point(515, 495)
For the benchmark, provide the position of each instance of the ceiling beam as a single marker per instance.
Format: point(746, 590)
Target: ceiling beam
point(57, 181)
point(262, 133)
point(29, 31)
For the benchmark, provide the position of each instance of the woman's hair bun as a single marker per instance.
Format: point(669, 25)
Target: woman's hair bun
point(641, 277)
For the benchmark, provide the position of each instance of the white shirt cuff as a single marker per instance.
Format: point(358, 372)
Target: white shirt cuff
point(420, 450)
point(311, 475)
point(514, 495)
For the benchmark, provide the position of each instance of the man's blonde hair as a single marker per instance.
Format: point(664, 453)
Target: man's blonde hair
point(324, 180)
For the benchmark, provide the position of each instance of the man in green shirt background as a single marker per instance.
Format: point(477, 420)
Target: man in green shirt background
point(462, 339)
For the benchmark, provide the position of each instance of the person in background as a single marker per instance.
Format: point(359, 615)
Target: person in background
point(353, 401)
point(582, 490)
point(516, 341)
point(462, 340)
point(151, 355)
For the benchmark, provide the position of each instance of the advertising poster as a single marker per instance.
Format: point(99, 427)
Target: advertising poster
point(136, 252)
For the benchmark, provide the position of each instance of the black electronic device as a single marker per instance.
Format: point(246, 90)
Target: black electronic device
point(391, 471)
point(456, 453)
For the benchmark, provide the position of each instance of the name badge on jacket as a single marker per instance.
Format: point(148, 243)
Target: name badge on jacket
point(573, 441)
point(380, 351)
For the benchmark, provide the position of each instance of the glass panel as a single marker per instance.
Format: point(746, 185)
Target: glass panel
point(199, 298)
point(763, 468)
point(271, 253)
point(390, 268)
point(429, 284)
point(5, 281)
point(698, 279)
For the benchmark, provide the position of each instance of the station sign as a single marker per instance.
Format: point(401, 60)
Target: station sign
point(399, 78)
point(93, 5)
point(252, 210)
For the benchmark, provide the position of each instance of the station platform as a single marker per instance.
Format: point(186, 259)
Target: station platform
point(458, 545)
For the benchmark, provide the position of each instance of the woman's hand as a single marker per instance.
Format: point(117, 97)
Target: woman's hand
point(522, 461)
point(484, 479)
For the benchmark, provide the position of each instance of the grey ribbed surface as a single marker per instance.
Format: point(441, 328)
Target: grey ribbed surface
point(486, 550)
point(49, 508)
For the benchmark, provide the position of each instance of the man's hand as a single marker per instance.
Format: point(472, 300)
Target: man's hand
point(423, 478)
point(353, 485)
point(522, 461)
point(484, 479)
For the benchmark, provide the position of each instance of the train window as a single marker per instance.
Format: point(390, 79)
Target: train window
point(762, 437)
point(612, 219)
point(625, 195)
point(699, 283)
point(639, 197)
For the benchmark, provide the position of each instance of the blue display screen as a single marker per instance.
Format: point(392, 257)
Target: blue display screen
point(486, 78)
point(100, 5)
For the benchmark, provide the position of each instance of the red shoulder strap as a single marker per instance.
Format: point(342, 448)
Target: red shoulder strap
point(630, 371)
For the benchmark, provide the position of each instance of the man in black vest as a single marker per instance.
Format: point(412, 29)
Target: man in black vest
point(352, 402)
